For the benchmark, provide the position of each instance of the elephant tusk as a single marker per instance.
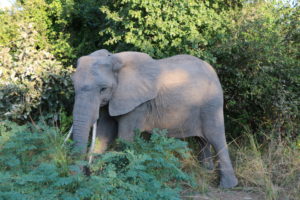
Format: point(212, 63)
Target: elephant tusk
point(93, 142)
point(69, 135)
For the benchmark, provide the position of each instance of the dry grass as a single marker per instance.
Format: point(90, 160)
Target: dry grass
point(204, 178)
point(271, 169)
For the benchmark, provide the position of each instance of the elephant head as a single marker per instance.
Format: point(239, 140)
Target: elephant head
point(103, 78)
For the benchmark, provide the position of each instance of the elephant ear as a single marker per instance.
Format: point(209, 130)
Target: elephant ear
point(137, 81)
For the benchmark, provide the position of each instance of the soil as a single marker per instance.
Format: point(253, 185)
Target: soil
point(219, 194)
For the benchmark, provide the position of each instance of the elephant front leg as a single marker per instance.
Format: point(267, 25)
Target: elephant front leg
point(130, 122)
point(102, 144)
point(107, 129)
point(103, 140)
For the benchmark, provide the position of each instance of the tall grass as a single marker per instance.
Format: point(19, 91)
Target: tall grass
point(270, 168)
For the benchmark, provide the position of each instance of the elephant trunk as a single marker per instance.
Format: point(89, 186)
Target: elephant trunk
point(81, 129)
point(83, 118)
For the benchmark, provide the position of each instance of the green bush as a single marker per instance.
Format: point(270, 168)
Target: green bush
point(9, 28)
point(31, 78)
point(71, 28)
point(253, 46)
point(258, 63)
point(35, 165)
point(51, 19)
point(163, 28)
point(84, 24)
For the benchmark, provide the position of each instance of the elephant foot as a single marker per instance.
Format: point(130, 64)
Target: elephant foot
point(228, 181)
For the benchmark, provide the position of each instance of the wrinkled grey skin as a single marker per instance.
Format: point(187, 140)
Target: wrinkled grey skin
point(181, 93)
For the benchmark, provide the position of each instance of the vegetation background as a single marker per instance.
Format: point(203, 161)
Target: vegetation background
point(253, 45)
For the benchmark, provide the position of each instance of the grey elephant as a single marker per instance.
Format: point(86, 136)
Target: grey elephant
point(131, 90)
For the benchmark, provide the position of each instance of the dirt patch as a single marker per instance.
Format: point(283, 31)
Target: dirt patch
point(219, 194)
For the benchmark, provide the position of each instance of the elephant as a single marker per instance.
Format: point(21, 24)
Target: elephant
point(130, 90)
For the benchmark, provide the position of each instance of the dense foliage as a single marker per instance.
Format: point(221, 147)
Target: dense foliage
point(259, 66)
point(254, 49)
point(35, 165)
point(253, 45)
point(30, 77)
point(33, 80)
point(163, 28)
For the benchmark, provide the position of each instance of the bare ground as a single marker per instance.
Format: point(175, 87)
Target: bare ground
point(219, 194)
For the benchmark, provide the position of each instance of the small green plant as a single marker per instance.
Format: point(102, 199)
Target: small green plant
point(65, 121)
point(35, 165)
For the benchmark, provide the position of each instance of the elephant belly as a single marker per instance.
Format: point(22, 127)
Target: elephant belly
point(180, 121)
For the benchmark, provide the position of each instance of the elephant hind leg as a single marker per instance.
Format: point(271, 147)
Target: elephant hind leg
point(214, 133)
point(205, 156)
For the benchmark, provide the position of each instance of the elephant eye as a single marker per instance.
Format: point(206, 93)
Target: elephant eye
point(102, 90)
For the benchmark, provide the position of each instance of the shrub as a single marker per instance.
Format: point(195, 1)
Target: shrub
point(31, 78)
point(35, 165)
point(70, 28)
point(51, 19)
point(84, 23)
point(163, 28)
point(253, 47)
point(259, 68)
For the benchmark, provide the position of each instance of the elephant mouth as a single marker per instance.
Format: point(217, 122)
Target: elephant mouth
point(104, 102)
